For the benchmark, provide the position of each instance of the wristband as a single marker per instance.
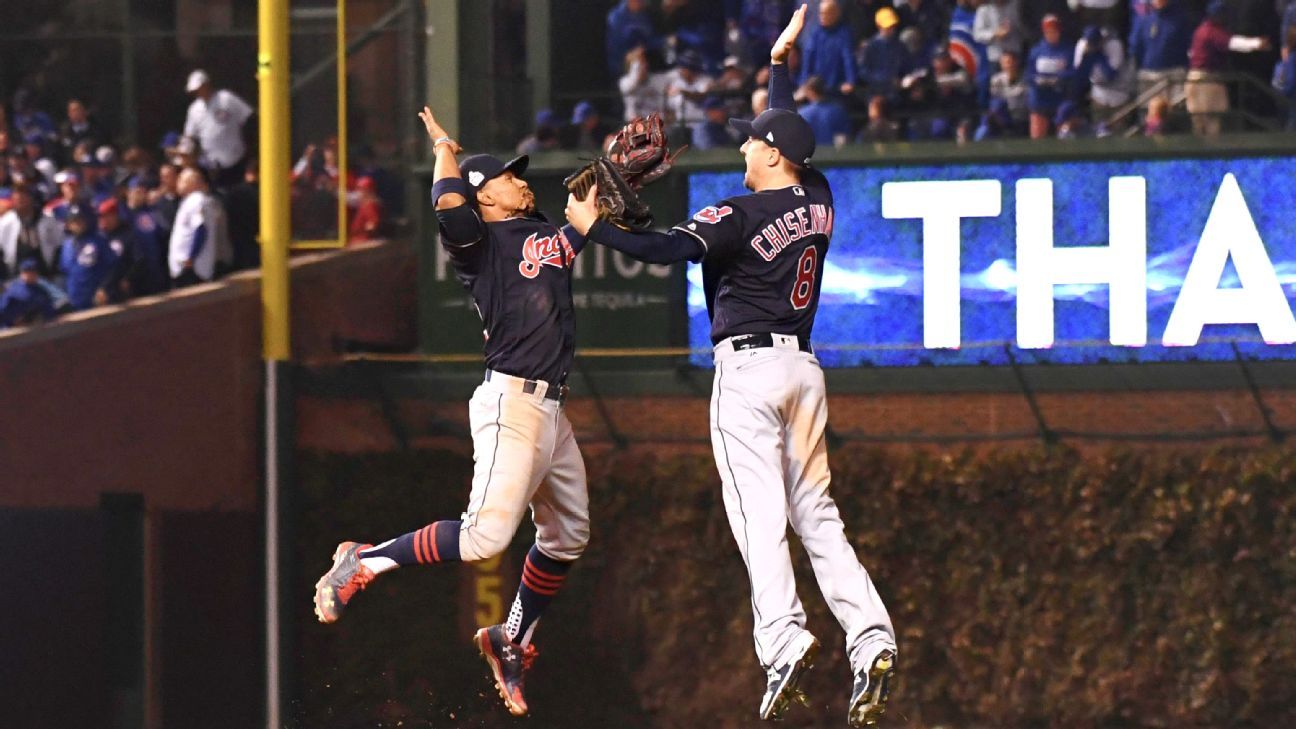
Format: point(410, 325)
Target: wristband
point(439, 141)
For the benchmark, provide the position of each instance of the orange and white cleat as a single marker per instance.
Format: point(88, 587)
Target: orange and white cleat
point(347, 577)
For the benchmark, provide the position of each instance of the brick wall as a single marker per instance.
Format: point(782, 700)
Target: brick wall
point(908, 419)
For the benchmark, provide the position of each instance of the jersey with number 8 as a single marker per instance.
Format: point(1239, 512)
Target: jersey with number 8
point(763, 262)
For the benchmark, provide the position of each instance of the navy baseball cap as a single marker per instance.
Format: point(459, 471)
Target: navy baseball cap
point(80, 210)
point(783, 130)
point(28, 264)
point(479, 169)
point(583, 111)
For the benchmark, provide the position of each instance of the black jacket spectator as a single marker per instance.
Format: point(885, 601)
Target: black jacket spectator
point(79, 127)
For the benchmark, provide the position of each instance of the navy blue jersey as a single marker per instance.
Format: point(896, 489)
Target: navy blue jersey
point(764, 258)
point(519, 274)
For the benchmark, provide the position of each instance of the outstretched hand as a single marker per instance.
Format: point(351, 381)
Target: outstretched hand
point(783, 45)
point(435, 131)
point(582, 213)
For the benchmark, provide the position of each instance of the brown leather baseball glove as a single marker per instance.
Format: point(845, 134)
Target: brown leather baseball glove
point(637, 156)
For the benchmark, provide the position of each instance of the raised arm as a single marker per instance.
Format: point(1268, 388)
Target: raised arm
point(460, 224)
point(453, 192)
point(780, 83)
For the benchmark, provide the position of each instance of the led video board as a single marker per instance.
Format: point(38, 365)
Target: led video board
point(1059, 262)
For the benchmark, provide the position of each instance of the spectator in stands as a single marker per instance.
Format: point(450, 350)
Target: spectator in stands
point(1100, 60)
point(69, 186)
point(1034, 12)
point(643, 86)
point(587, 130)
point(185, 153)
point(77, 128)
point(714, 132)
point(965, 131)
point(935, 128)
point(963, 47)
point(22, 169)
point(829, 51)
point(139, 243)
point(1255, 19)
point(317, 168)
point(920, 51)
point(880, 127)
point(543, 136)
point(29, 122)
point(368, 222)
point(35, 146)
point(918, 89)
point(150, 240)
point(686, 89)
point(1158, 114)
point(243, 213)
point(1070, 122)
point(733, 87)
point(113, 228)
point(998, 27)
point(194, 237)
point(955, 93)
point(1284, 78)
point(759, 23)
point(759, 100)
point(168, 145)
point(28, 234)
point(996, 122)
point(885, 59)
point(215, 120)
point(697, 26)
point(629, 25)
point(930, 17)
point(1009, 86)
point(1159, 44)
point(1100, 13)
point(825, 114)
point(1208, 98)
point(1048, 76)
point(97, 176)
point(88, 261)
point(136, 162)
point(25, 301)
point(82, 153)
point(1285, 25)
point(165, 198)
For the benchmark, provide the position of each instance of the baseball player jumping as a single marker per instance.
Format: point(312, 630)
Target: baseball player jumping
point(762, 260)
point(517, 266)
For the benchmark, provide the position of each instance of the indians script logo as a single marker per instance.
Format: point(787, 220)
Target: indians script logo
point(550, 250)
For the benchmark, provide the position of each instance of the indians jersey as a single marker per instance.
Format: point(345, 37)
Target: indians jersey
point(518, 272)
point(764, 258)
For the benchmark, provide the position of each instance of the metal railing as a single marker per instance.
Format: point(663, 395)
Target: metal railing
point(1238, 117)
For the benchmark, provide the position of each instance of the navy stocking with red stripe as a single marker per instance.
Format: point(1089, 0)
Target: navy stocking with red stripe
point(436, 542)
point(542, 576)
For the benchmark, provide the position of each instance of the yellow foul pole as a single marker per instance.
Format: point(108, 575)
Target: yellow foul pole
point(344, 151)
point(275, 119)
point(272, 80)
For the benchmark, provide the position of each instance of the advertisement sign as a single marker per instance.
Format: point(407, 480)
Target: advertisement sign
point(1057, 262)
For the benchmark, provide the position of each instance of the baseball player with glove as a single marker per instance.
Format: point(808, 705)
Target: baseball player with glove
point(517, 267)
point(762, 260)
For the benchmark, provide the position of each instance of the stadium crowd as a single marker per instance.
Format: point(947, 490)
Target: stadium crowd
point(85, 222)
point(888, 70)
